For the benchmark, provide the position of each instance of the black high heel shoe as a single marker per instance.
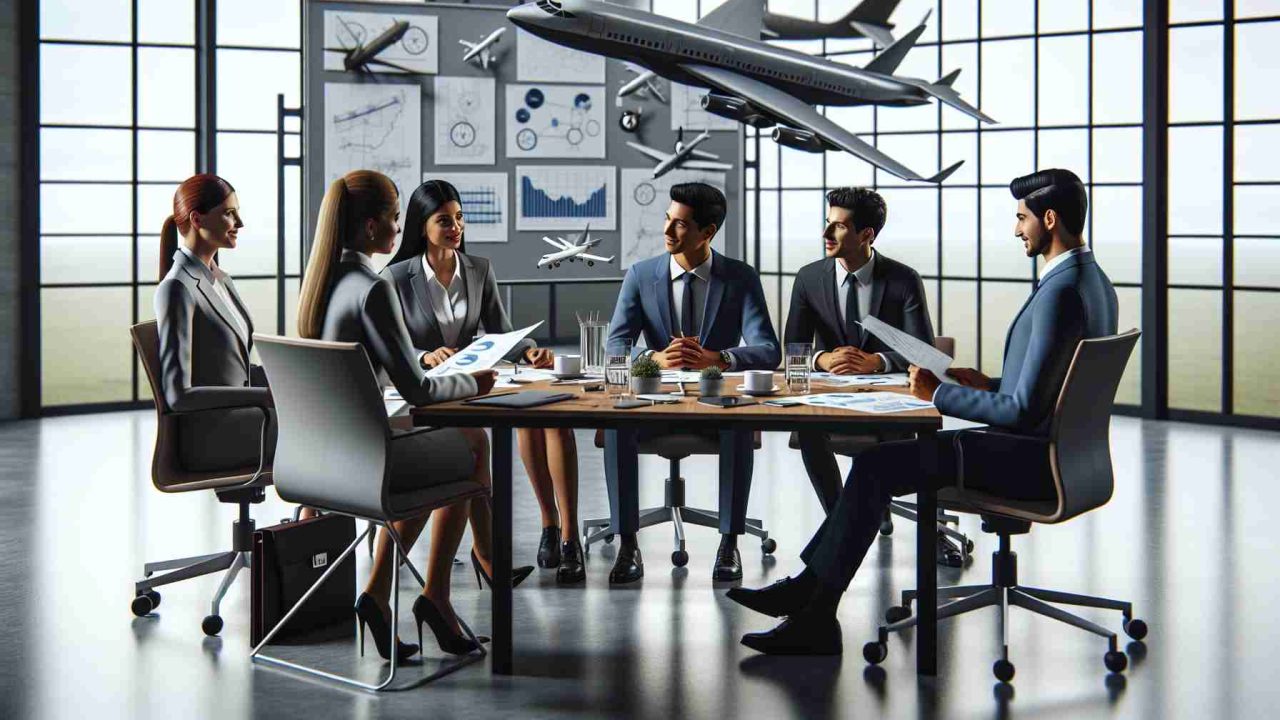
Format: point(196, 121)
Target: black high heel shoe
point(368, 613)
point(451, 641)
point(517, 574)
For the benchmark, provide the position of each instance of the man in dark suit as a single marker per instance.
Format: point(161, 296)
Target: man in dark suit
point(696, 309)
point(1074, 300)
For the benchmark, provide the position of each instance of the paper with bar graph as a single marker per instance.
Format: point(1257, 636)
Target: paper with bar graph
point(486, 203)
point(566, 197)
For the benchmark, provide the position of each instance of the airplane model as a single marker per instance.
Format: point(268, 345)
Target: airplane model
point(569, 251)
point(749, 80)
point(358, 58)
point(683, 156)
point(644, 80)
point(869, 19)
point(482, 49)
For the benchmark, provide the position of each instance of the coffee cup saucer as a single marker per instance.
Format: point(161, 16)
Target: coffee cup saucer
point(764, 393)
point(568, 375)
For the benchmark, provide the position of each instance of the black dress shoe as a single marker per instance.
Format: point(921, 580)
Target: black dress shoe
point(803, 634)
point(572, 568)
point(728, 560)
point(785, 597)
point(949, 553)
point(549, 548)
point(629, 566)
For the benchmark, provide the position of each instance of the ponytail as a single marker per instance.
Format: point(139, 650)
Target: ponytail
point(168, 245)
point(197, 194)
point(326, 248)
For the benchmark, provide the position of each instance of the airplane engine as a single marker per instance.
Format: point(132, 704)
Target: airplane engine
point(798, 139)
point(735, 109)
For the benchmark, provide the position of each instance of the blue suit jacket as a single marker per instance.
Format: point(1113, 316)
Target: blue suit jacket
point(1074, 301)
point(735, 311)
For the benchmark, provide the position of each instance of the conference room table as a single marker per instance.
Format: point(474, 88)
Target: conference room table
point(592, 410)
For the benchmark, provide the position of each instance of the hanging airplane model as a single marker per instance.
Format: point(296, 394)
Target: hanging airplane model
point(870, 19)
point(483, 49)
point(683, 157)
point(360, 57)
point(749, 80)
point(569, 251)
point(644, 80)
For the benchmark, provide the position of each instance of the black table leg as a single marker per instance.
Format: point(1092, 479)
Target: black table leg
point(926, 557)
point(502, 625)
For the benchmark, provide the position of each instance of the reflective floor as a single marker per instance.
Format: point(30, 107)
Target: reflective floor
point(1189, 537)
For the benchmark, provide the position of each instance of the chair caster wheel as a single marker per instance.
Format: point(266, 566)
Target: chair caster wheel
point(211, 625)
point(1003, 670)
point(1135, 628)
point(679, 558)
point(155, 599)
point(875, 652)
point(897, 613)
point(768, 546)
point(1115, 661)
point(886, 528)
point(968, 546)
point(608, 539)
point(141, 606)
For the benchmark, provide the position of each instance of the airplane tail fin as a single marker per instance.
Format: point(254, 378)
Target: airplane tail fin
point(949, 79)
point(871, 18)
point(944, 174)
point(891, 57)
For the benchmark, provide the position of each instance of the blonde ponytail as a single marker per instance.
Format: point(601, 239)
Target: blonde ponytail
point(326, 248)
point(168, 245)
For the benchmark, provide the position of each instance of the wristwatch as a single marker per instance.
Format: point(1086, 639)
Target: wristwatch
point(726, 358)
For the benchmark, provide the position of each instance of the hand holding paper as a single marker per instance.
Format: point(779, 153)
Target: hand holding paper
point(912, 350)
point(483, 353)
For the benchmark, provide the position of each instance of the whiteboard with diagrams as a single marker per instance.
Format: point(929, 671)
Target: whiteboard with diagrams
point(374, 127)
point(542, 60)
point(465, 115)
point(687, 112)
point(417, 51)
point(644, 208)
point(566, 197)
point(485, 204)
point(555, 121)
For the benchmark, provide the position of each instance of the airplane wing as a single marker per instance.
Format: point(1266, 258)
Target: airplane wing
point(704, 155)
point(560, 245)
point(796, 113)
point(943, 91)
point(704, 165)
point(657, 155)
point(597, 258)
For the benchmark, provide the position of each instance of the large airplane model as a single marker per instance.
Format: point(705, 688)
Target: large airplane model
point(483, 49)
point(686, 156)
point(569, 251)
point(358, 58)
point(869, 19)
point(749, 80)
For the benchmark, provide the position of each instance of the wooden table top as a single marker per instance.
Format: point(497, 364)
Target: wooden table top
point(595, 409)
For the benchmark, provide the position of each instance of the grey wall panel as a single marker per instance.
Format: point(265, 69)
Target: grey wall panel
point(10, 234)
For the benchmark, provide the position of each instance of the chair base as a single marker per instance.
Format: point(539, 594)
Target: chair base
point(257, 655)
point(907, 511)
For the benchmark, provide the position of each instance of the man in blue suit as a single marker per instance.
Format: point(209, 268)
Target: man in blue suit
point(696, 309)
point(1073, 301)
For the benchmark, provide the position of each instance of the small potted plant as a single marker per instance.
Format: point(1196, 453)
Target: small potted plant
point(646, 377)
point(711, 382)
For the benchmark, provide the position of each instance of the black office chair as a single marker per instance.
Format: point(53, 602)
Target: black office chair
point(675, 448)
point(1079, 448)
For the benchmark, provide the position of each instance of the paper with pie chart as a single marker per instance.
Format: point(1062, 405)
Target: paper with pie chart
point(465, 110)
point(644, 203)
point(555, 121)
point(418, 50)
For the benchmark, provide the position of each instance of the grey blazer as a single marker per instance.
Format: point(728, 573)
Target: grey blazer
point(484, 305)
point(363, 308)
point(205, 371)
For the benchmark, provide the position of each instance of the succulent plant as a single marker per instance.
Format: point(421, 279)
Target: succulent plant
point(645, 368)
point(712, 373)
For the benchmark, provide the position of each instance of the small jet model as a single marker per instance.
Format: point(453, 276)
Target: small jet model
point(360, 57)
point(869, 19)
point(644, 80)
point(567, 251)
point(683, 157)
point(483, 49)
point(749, 80)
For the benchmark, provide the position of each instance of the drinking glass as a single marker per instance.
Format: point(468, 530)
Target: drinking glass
point(799, 356)
point(591, 341)
point(617, 370)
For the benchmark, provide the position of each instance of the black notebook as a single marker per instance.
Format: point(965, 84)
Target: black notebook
point(522, 399)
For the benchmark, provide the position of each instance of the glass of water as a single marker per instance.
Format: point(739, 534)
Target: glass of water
point(798, 359)
point(592, 335)
point(617, 370)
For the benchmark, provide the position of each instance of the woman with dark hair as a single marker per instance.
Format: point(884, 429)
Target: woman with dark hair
point(206, 336)
point(344, 299)
point(447, 296)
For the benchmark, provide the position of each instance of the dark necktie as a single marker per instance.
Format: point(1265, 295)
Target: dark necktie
point(852, 328)
point(687, 325)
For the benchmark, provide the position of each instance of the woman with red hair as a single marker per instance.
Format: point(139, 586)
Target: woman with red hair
point(206, 336)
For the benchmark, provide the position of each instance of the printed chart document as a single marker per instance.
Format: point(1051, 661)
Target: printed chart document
point(880, 379)
point(878, 403)
point(482, 354)
point(912, 350)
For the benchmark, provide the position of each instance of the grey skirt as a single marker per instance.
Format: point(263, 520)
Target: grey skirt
point(427, 459)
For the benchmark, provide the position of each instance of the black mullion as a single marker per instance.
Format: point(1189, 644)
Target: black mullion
point(1035, 112)
point(977, 168)
point(1155, 207)
point(206, 85)
point(1089, 115)
point(941, 163)
point(30, 391)
point(1228, 206)
point(133, 160)
point(1028, 36)
point(114, 43)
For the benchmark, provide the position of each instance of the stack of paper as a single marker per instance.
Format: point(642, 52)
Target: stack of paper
point(878, 403)
point(878, 380)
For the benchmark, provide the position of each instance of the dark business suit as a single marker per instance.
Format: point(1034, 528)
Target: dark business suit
point(897, 298)
point(1073, 301)
point(734, 312)
point(484, 305)
point(206, 374)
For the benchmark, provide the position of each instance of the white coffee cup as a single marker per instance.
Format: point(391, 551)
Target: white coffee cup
point(758, 380)
point(567, 364)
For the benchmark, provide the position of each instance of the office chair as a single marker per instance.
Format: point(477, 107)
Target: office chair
point(1079, 448)
point(852, 445)
point(675, 448)
point(336, 451)
point(242, 486)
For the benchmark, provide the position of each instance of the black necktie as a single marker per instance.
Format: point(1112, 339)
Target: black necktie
point(687, 325)
point(852, 328)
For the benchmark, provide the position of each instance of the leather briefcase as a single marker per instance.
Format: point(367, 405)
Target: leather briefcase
point(287, 560)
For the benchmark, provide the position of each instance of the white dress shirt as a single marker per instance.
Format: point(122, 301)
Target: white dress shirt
point(700, 285)
point(862, 277)
point(1058, 260)
point(448, 302)
point(218, 279)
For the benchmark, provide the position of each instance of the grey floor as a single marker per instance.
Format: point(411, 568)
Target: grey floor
point(1189, 538)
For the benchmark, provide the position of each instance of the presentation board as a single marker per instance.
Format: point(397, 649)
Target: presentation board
point(534, 142)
